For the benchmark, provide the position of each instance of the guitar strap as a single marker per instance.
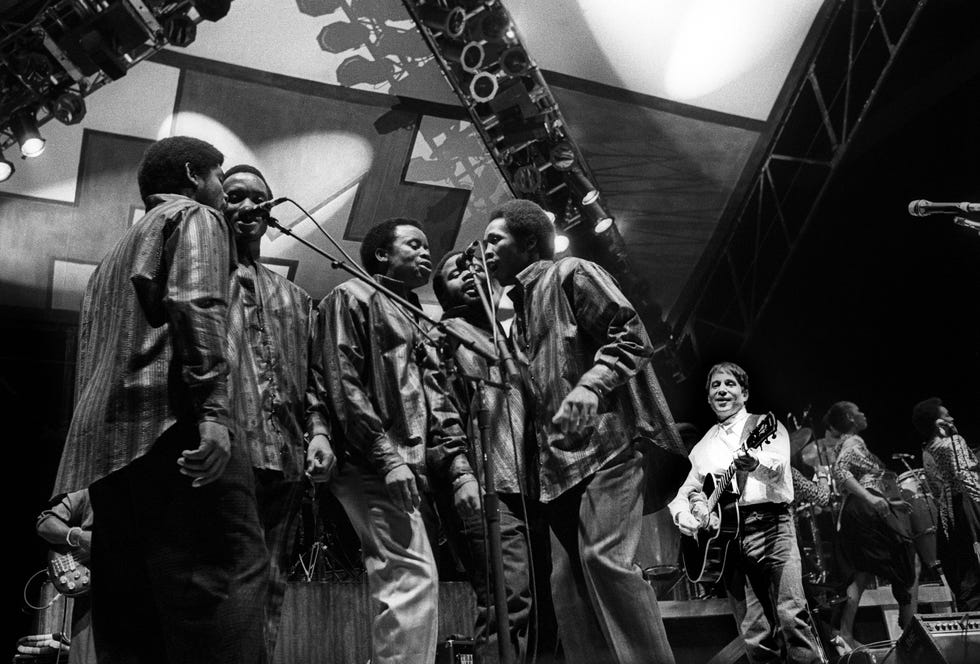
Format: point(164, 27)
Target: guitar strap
point(742, 475)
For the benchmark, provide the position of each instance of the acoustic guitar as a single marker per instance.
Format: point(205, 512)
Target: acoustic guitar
point(704, 554)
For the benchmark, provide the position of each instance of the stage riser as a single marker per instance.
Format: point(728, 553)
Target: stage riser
point(330, 623)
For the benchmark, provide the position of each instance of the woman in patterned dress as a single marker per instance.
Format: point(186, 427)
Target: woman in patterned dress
point(874, 536)
point(952, 471)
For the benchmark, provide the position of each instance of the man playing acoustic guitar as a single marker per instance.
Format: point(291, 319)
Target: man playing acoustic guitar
point(760, 565)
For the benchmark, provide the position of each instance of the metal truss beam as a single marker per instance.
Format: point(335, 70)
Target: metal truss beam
point(858, 45)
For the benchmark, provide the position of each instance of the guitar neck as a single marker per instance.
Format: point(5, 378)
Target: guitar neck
point(723, 483)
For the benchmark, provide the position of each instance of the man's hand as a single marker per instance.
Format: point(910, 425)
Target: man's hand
point(688, 524)
point(82, 552)
point(206, 463)
point(466, 499)
point(745, 461)
point(402, 489)
point(321, 462)
point(577, 411)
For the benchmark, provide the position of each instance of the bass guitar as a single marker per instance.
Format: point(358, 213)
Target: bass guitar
point(68, 576)
point(704, 555)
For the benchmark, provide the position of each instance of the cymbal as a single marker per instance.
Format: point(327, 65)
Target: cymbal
point(799, 438)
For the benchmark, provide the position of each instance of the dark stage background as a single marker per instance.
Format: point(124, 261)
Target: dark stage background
point(879, 307)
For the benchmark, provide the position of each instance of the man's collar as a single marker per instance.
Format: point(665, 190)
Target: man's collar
point(154, 200)
point(735, 422)
point(530, 274)
point(397, 285)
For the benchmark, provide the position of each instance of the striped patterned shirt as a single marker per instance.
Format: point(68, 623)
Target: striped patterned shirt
point(573, 326)
point(271, 325)
point(506, 413)
point(952, 470)
point(385, 386)
point(151, 348)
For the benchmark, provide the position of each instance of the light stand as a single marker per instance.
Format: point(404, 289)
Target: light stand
point(491, 502)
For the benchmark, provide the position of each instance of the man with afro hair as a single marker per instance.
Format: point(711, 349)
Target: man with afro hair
point(597, 403)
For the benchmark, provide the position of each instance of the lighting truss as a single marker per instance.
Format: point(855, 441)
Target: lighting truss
point(507, 98)
point(57, 52)
point(758, 236)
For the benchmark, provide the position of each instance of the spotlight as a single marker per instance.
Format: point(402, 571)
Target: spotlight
point(470, 55)
point(515, 61)
point(527, 179)
point(561, 243)
point(583, 192)
point(180, 30)
point(601, 220)
point(24, 128)
point(212, 10)
point(68, 108)
point(603, 225)
point(6, 168)
point(484, 86)
point(492, 25)
point(562, 156)
point(449, 22)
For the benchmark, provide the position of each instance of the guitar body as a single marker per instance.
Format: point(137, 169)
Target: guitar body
point(68, 576)
point(704, 556)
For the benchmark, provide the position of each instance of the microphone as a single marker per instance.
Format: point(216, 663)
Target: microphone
point(901, 455)
point(922, 207)
point(470, 254)
point(946, 428)
point(261, 210)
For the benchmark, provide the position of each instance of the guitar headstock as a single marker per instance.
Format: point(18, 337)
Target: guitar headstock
point(764, 429)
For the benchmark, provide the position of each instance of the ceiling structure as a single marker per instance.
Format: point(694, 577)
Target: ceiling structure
point(672, 103)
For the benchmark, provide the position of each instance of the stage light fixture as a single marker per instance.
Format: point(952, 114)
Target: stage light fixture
point(603, 225)
point(561, 243)
point(212, 10)
point(601, 220)
point(68, 108)
point(551, 216)
point(484, 86)
point(492, 25)
point(562, 156)
point(180, 30)
point(6, 168)
point(23, 125)
point(470, 55)
point(583, 191)
point(450, 22)
point(515, 61)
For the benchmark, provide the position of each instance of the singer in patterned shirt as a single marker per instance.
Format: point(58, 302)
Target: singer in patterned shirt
point(395, 428)
point(597, 404)
point(952, 471)
point(177, 547)
point(532, 627)
point(273, 391)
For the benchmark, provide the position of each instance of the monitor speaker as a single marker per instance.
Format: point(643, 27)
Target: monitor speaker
point(942, 638)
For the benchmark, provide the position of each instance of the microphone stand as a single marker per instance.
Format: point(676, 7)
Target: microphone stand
point(491, 502)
